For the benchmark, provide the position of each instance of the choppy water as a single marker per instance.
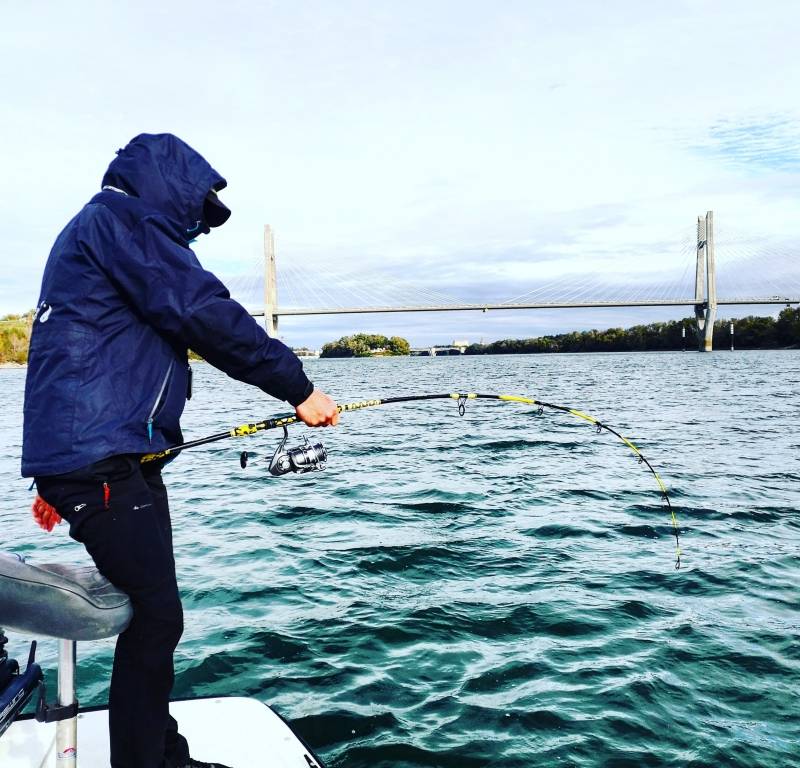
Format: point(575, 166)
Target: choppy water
point(495, 590)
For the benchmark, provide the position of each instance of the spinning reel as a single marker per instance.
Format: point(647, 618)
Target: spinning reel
point(308, 457)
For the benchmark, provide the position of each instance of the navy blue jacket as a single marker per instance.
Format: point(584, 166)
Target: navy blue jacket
point(123, 297)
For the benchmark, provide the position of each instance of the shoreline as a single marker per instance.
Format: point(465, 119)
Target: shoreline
point(791, 348)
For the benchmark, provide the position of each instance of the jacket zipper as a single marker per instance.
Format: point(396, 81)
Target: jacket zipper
point(153, 410)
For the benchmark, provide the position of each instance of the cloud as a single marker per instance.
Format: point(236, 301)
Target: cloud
point(447, 148)
point(753, 146)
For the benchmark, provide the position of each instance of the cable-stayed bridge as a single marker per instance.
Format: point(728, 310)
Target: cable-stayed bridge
point(713, 271)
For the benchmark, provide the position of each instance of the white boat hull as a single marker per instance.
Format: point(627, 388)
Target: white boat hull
point(235, 731)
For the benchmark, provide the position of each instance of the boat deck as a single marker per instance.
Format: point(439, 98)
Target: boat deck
point(236, 731)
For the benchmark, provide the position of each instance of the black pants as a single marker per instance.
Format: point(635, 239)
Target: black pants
point(118, 509)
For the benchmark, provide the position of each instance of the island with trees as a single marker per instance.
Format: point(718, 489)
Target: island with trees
point(366, 345)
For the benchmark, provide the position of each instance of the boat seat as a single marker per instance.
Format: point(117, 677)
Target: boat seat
point(64, 601)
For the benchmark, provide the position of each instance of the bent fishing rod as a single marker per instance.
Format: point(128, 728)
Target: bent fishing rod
point(312, 457)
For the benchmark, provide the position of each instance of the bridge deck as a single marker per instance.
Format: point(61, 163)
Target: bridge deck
point(540, 305)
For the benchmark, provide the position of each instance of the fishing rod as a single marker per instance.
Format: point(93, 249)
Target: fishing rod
point(312, 456)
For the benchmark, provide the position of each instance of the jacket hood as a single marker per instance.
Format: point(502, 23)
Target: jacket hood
point(166, 173)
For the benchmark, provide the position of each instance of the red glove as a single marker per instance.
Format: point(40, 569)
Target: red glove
point(45, 516)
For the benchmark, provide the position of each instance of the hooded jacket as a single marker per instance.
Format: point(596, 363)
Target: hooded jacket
point(123, 297)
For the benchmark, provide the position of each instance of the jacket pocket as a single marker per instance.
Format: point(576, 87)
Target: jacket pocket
point(158, 404)
point(56, 366)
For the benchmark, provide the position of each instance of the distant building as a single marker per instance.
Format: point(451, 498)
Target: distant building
point(456, 348)
point(305, 352)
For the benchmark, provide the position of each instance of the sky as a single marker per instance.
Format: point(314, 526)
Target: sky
point(476, 149)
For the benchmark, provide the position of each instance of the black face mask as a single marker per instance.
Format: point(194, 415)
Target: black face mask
point(215, 212)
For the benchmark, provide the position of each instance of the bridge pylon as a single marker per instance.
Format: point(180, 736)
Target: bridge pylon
point(705, 283)
point(270, 283)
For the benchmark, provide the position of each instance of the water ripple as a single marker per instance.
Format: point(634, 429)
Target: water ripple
point(497, 589)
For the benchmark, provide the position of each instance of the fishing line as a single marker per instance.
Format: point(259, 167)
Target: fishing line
point(311, 457)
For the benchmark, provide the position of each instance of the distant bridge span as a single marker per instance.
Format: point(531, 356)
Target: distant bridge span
point(788, 300)
point(704, 304)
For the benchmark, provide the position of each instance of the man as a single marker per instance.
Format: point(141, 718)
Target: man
point(123, 298)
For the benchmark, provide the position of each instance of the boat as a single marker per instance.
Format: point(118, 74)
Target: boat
point(73, 604)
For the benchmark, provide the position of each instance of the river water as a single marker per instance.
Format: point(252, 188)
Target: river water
point(496, 589)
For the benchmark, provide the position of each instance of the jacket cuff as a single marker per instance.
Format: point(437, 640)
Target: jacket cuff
point(298, 396)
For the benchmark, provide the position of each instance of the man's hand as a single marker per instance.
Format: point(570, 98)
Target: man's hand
point(45, 516)
point(318, 410)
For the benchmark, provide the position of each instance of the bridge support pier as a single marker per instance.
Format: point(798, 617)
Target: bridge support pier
point(705, 283)
point(270, 283)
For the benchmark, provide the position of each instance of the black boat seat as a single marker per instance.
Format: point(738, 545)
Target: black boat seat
point(64, 601)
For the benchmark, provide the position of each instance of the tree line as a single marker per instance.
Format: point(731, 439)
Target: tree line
point(749, 333)
point(15, 333)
